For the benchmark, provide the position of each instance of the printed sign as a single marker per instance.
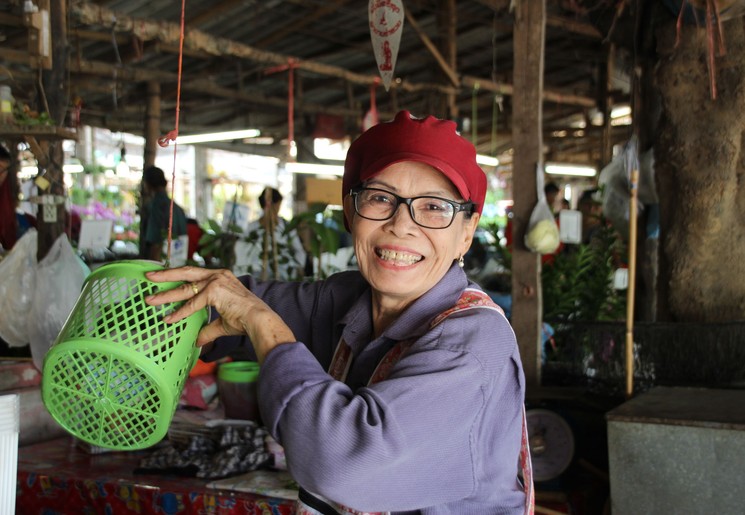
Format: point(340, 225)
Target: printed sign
point(570, 226)
point(179, 250)
point(386, 19)
point(95, 234)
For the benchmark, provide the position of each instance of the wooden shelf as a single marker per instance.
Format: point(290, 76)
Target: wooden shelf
point(37, 131)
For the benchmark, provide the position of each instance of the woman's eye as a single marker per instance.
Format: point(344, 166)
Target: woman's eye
point(436, 206)
point(380, 199)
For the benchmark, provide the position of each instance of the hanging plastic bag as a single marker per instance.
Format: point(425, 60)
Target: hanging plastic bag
point(62, 274)
point(614, 181)
point(542, 235)
point(17, 287)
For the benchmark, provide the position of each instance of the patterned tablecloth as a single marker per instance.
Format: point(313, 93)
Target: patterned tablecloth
point(57, 477)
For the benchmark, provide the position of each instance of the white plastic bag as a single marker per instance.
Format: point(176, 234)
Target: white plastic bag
point(17, 287)
point(542, 235)
point(614, 181)
point(60, 276)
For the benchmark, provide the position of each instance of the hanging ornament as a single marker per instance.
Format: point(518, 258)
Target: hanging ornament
point(386, 24)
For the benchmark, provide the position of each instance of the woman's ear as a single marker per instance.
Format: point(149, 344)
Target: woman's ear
point(469, 229)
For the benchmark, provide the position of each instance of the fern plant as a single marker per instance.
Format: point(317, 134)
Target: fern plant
point(578, 285)
point(217, 245)
point(322, 227)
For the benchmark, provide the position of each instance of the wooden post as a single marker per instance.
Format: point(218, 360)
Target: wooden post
point(447, 21)
point(630, 292)
point(605, 103)
point(54, 99)
point(529, 38)
point(152, 123)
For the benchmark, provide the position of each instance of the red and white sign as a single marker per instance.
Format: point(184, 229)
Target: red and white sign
point(386, 25)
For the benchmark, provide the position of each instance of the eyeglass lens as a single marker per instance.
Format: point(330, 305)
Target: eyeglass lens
point(430, 212)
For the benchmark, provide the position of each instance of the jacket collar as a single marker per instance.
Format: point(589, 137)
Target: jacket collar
point(413, 322)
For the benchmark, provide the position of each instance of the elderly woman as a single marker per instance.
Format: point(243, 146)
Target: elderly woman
point(396, 388)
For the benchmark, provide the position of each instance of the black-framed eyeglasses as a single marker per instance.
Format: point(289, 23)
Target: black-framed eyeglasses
point(428, 212)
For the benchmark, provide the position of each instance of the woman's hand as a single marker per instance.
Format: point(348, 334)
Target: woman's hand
point(241, 312)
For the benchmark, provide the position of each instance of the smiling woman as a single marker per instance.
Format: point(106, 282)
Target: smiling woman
point(397, 387)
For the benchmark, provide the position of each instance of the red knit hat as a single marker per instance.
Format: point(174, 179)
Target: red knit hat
point(430, 140)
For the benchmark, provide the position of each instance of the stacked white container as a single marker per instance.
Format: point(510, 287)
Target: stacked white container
point(9, 429)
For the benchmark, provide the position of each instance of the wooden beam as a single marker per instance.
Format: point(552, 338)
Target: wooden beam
point(574, 26)
point(199, 44)
point(195, 40)
point(444, 66)
point(529, 44)
point(508, 90)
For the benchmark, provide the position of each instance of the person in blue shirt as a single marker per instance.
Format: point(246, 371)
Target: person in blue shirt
point(156, 215)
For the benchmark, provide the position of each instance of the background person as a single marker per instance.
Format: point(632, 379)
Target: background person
point(271, 239)
point(154, 226)
point(420, 410)
point(13, 224)
point(591, 207)
point(551, 190)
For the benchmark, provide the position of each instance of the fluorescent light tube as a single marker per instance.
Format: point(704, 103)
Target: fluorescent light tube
point(570, 169)
point(217, 136)
point(486, 160)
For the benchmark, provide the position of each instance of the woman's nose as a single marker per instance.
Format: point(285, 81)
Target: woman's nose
point(402, 217)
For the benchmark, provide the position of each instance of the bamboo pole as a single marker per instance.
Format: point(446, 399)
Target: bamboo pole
point(266, 225)
point(632, 283)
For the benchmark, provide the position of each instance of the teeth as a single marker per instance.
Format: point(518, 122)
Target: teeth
point(399, 257)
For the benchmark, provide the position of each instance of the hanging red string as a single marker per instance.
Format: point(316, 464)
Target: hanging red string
point(163, 141)
point(371, 117)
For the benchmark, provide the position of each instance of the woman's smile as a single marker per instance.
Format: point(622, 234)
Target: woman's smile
point(397, 258)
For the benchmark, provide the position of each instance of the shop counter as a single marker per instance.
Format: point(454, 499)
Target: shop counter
point(58, 477)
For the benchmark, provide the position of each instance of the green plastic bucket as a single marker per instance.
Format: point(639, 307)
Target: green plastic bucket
point(114, 375)
point(236, 384)
point(239, 372)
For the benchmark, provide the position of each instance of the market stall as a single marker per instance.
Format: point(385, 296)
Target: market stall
point(59, 477)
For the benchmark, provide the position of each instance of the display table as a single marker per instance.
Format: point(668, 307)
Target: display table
point(57, 477)
point(678, 450)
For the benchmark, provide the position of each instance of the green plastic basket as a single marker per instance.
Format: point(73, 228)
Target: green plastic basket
point(114, 375)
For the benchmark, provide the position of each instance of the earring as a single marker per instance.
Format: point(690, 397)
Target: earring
point(461, 261)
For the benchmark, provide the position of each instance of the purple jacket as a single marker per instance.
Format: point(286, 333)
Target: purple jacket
point(440, 435)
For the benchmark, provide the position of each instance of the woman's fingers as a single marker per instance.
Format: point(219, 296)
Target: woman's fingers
point(184, 273)
point(201, 288)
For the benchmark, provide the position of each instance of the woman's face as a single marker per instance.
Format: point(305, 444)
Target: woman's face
point(400, 259)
